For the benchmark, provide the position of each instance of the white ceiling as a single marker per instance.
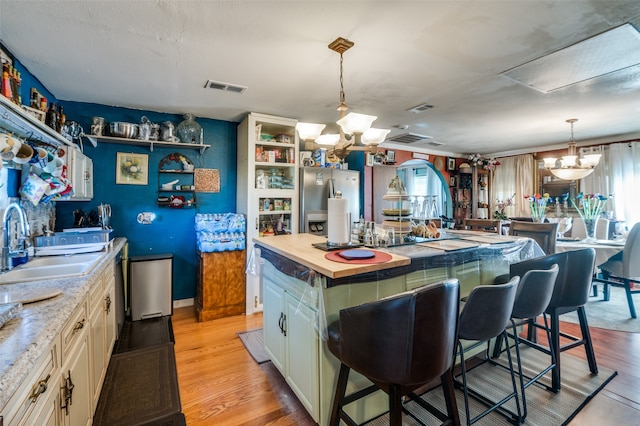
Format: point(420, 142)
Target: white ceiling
point(157, 55)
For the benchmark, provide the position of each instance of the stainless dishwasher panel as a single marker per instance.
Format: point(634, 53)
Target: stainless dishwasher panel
point(151, 285)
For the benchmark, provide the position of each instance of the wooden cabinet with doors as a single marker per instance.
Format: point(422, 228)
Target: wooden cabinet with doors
point(221, 285)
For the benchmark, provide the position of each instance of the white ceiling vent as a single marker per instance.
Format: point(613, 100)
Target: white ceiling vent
point(420, 108)
point(407, 138)
point(228, 87)
point(602, 54)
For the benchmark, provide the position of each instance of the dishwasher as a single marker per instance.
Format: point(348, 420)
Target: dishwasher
point(151, 286)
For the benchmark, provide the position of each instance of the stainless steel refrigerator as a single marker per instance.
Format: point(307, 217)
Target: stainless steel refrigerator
point(319, 184)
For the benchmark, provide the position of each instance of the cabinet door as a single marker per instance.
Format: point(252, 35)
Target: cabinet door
point(76, 374)
point(302, 353)
point(87, 177)
point(110, 321)
point(97, 352)
point(273, 318)
point(48, 416)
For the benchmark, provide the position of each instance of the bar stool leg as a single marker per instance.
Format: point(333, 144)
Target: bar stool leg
point(586, 336)
point(341, 388)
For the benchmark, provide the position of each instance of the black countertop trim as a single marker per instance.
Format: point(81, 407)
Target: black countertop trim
point(514, 251)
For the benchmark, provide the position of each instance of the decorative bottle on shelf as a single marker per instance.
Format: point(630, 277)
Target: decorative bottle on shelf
point(51, 119)
point(189, 131)
point(62, 118)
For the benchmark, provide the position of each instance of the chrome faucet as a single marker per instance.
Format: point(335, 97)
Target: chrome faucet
point(7, 254)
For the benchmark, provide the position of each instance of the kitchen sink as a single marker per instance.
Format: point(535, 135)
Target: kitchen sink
point(63, 260)
point(50, 267)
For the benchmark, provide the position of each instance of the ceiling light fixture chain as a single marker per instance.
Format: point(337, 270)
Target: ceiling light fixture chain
point(355, 129)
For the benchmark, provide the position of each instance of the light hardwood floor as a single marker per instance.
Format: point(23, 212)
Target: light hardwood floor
point(220, 384)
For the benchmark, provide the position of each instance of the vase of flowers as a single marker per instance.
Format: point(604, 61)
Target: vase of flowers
point(485, 163)
point(590, 207)
point(538, 206)
point(501, 205)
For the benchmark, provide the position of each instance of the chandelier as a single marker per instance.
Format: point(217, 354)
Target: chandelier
point(356, 133)
point(570, 166)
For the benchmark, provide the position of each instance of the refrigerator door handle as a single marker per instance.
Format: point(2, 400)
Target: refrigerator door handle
point(332, 189)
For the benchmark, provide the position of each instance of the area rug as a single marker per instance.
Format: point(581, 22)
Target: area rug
point(611, 315)
point(140, 387)
point(544, 408)
point(144, 333)
point(254, 343)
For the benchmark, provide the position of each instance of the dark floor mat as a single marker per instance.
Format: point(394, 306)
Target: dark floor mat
point(144, 333)
point(173, 420)
point(141, 386)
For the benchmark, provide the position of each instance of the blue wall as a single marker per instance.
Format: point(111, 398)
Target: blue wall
point(173, 230)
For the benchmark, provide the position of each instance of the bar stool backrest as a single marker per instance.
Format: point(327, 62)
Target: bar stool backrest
point(488, 310)
point(404, 339)
point(575, 272)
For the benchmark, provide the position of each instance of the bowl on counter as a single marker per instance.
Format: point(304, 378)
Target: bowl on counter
point(120, 129)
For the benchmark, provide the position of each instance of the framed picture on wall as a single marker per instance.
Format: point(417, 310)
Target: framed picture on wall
point(451, 163)
point(132, 169)
point(452, 181)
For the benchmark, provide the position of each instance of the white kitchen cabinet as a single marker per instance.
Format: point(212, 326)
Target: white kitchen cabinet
point(268, 194)
point(39, 389)
point(272, 319)
point(80, 173)
point(75, 381)
point(103, 327)
point(292, 343)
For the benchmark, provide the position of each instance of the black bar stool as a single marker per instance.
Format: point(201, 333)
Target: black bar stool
point(485, 315)
point(400, 343)
point(570, 293)
point(534, 293)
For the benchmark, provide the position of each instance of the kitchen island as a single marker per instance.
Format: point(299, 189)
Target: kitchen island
point(304, 291)
point(72, 332)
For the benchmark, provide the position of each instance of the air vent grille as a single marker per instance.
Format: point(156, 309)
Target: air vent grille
point(420, 108)
point(408, 138)
point(227, 87)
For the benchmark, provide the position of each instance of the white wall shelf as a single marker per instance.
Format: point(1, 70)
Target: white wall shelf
point(111, 139)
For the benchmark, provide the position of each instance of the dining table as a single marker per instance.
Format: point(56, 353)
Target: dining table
point(604, 248)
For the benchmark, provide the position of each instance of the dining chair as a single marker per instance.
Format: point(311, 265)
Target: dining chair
point(543, 233)
point(485, 225)
point(579, 230)
point(534, 294)
point(399, 343)
point(485, 315)
point(570, 294)
point(623, 270)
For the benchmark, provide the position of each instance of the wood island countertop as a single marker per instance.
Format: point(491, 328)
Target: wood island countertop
point(298, 247)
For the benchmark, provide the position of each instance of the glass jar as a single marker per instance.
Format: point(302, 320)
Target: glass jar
point(189, 131)
point(261, 180)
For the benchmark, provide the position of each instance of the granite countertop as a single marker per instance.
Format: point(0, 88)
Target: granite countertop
point(24, 339)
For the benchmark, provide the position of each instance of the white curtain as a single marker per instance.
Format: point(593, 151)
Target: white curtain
point(514, 175)
point(619, 174)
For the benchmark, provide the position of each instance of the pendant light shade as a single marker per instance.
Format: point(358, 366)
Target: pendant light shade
point(572, 166)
